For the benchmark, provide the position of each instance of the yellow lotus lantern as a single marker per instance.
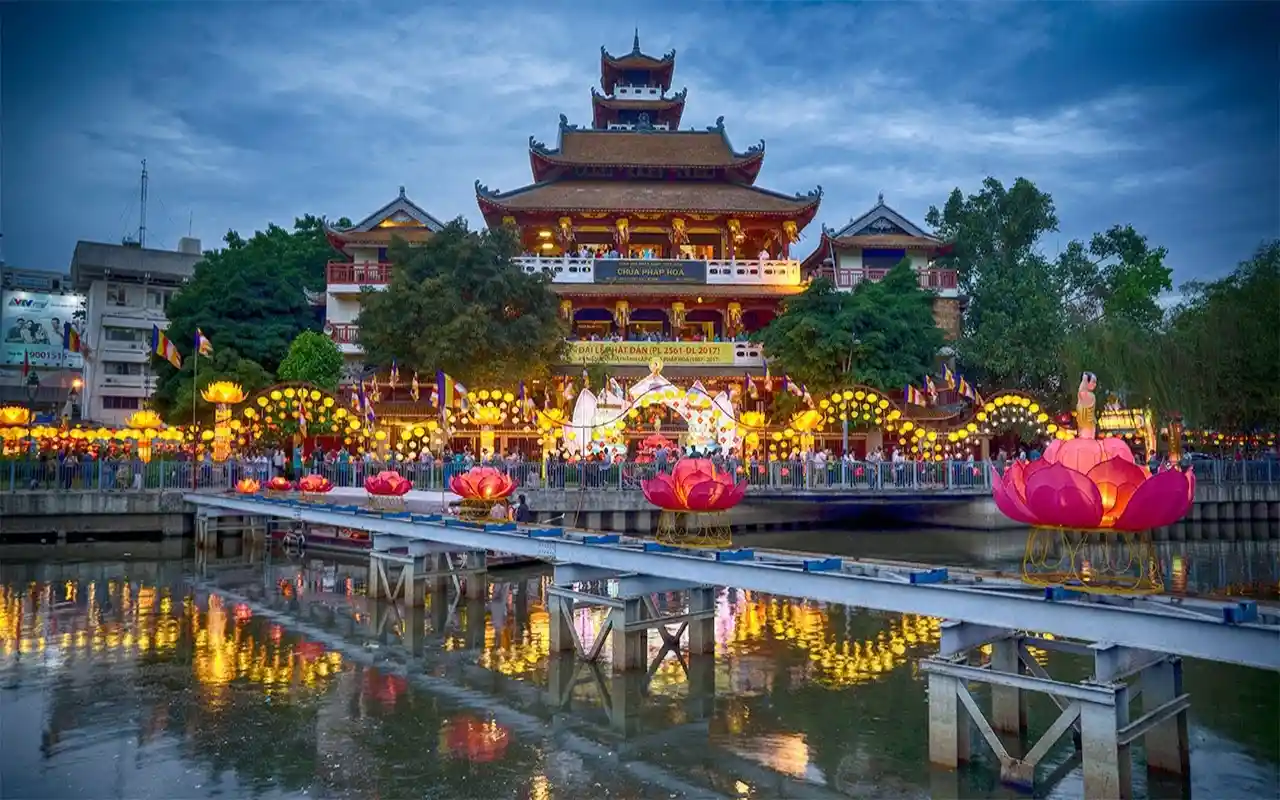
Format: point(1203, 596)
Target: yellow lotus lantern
point(14, 416)
point(144, 427)
point(489, 408)
point(223, 394)
point(750, 424)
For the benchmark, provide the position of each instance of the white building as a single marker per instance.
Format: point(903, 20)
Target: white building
point(127, 289)
point(365, 245)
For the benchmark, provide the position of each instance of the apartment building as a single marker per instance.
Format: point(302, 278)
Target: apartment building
point(127, 289)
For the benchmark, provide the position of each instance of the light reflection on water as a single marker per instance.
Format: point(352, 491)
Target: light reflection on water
point(120, 687)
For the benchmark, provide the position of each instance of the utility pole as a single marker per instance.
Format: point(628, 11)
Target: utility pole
point(142, 211)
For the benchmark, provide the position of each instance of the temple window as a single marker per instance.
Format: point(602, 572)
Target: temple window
point(881, 258)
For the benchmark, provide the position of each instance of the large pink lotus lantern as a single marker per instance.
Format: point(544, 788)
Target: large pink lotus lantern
point(481, 489)
point(387, 490)
point(1092, 484)
point(694, 498)
point(1083, 488)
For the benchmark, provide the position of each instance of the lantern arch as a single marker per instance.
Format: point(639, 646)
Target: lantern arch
point(279, 413)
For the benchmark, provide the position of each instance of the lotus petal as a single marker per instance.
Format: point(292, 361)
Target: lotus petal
point(1162, 500)
point(1062, 497)
point(705, 496)
point(1050, 453)
point(1116, 448)
point(1007, 499)
point(661, 492)
point(1081, 455)
point(1117, 480)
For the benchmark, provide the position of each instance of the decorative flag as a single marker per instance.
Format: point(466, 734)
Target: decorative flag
point(302, 419)
point(930, 388)
point(355, 398)
point(804, 393)
point(375, 394)
point(914, 396)
point(451, 392)
point(413, 387)
point(965, 390)
point(522, 401)
point(26, 364)
point(948, 377)
point(395, 375)
point(161, 346)
point(768, 378)
point(751, 388)
point(70, 338)
point(203, 346)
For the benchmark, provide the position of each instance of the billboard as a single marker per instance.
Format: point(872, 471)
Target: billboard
point(705, 354)
point(31, 325)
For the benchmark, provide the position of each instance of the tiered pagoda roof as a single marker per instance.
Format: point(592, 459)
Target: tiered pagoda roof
point(879, 228)
point(401, 218)
point(642, 166)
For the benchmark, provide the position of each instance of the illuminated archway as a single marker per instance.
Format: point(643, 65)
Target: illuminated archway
point(282, 412)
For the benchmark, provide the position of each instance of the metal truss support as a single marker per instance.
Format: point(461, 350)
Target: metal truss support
point(1097, 710)
point(627, 627)
point(422, 569)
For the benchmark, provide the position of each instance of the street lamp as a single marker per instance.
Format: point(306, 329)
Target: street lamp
point(33, 389)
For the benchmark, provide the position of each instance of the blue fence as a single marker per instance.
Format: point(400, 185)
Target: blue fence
point(774, 476)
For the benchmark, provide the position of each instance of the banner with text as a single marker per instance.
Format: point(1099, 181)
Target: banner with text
point(31, 325)
point(706, 354)
point(632, 270)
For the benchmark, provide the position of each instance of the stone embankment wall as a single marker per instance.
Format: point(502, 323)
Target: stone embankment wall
point(63, 516)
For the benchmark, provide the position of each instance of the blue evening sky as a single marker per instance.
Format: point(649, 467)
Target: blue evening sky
point(1163, 115)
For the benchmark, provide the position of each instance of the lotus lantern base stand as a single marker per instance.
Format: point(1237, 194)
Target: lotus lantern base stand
point(479, 510)
point(695, 529)
point(1102, 562)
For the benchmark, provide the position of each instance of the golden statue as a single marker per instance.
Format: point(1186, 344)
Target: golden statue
point(1086, 407)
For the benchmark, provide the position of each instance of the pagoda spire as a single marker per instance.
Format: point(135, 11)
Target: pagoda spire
point(635, 42)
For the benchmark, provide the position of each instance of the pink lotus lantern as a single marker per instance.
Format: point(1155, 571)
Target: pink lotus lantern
point(694, 499)
point(314, 487)
point(387, 489)
point(481, 489)
point(1079, 493)
point(279, 485)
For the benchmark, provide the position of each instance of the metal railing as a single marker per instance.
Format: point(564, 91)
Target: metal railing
point(955, 477)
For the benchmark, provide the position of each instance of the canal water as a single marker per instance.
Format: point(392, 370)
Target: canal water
point(133, 670)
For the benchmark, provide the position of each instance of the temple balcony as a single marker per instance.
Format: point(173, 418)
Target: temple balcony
point(572, 269)
point(346, 336)
point(344, 277)
point(942, 281)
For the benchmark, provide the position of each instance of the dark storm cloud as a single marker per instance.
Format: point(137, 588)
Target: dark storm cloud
point(1159, 115)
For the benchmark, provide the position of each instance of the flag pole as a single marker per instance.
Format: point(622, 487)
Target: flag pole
point(195, 386)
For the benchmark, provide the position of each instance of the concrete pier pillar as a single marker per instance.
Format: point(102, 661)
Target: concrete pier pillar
point(702, 686)
point(476, 617)
point(626, 695)
point(948, 724)
point(702, 632)
point(1167, 744)
point(1008, 704)
point(414, 627)
point(477, 587)
point(630, 648)
point(560, 610)
point(1107, 764)
point(439, 605)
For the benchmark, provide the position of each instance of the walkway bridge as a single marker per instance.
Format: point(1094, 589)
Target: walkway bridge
point(1138, 657)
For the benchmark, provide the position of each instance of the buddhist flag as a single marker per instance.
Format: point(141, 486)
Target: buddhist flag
point(161, 346)
point(70, 338)
point(451, 392)
point(966, 391)
point(302, 419)
point(752, 391)
point(948, 377)
point(913, 396)
point(930, 388)
point(203, 346)
point(395, 375)
point(413, 388)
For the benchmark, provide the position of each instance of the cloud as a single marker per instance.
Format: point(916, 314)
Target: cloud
point(250, 113)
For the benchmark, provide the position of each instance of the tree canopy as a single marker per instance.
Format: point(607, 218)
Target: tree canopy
point(248, 297)
point(457, 303)
point(313, 358)
point(173, 397)
point(882, 334)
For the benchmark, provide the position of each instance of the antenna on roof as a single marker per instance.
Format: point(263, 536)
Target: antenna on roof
point(142, 208)
point(190, 217)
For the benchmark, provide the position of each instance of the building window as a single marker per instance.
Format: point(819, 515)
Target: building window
point(157, 299)
point(382, 255)
point(881, 259)
point(123, 334)
point(111, 402)
point(121, 368)
point(117, 295)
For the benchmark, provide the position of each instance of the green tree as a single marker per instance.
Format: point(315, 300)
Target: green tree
point(313, 358)
point(173, 397)
point(248, 296)
point(457, 303)
point(1014, 325)
point(1117, 279)
point(882, 334)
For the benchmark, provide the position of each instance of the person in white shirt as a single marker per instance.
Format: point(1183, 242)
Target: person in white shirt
point(764, 254)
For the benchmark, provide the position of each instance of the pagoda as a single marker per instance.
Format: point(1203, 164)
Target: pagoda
point(656, 238)
point(875, 242)
point(364, 247)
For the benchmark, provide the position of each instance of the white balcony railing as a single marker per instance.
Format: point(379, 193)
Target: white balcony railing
point(626, 92)
point(573, 269)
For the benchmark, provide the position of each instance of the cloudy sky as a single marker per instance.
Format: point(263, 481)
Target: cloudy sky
point(1163, 115)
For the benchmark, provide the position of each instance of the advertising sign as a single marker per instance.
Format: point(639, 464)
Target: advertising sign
point(707, 354)
point(31, 325)
point(635, 270)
